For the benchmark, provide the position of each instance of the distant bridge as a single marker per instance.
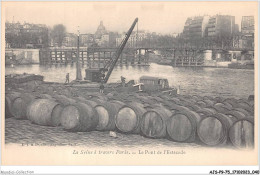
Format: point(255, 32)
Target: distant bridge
point(98, 56)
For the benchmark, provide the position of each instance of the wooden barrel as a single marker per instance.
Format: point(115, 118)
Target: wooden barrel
point(50, 90)
point(37, 95)
point(129, 116)
point(153, 123)
point(66, 91)
point(62, 99)
point(32, 85)
point(251, 100)
point(189, 98)
point(175, 100)
point(185, 103)
point(106, 113)
point(20, 104)
point(207, 98)
point(208, 102)
point(202, 104)
point(218, 99)
point(79, 117)
point(42, 88)
point(237, 114)
point(59, 89)
point(88, 102)
point(197, 98)
point(182, 126)
point(44, 112)
point(241, 133)
point(213, 130)
point(246, 106)
point(194, 107)
point(221, 108)
point(99, 97)
point(232, 101)
point(207, 111)
point(9, 98)
point(245, 112)
point(174, 108)
point(228, 105)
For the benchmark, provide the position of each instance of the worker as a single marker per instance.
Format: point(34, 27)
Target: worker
point(67, 78)
point(123, 81)
point(101, 87)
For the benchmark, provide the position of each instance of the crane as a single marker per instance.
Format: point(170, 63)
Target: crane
point(95, 75)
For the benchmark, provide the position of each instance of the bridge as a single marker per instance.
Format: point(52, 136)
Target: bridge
point(98, 56)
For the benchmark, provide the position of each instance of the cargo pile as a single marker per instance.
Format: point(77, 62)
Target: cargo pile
point(204, 120)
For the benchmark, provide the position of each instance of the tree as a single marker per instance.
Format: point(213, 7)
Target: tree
point(58, 33)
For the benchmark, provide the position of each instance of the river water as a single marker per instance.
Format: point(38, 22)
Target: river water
point(238, 83)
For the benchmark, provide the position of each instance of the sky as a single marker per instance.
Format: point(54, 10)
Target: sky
point(159, 17)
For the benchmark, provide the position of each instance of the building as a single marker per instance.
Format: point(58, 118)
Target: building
point(112, 39)
point(134, 39)
point(247, 25)
point(195, 27)
point(26, 35)
point(247, 30)
point(86, 39)
point(186, 29)
point(70, 40)
point(101, 30)
point(221, 26)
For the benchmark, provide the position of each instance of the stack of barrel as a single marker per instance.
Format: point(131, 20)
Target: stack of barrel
point(206, 120)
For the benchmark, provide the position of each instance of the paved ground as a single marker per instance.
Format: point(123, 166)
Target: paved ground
point(24, 132)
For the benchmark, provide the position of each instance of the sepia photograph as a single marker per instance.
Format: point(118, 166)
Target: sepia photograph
point(129, 83)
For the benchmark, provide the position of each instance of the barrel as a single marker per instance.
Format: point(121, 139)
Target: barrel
point(213, 130)
point(62, 99)
point(106, 113)
point(83, 100)
point(20, 104)
point(208, 102)
point(185, 103)
point(9, 98)
point(235, 113)
point(194, 107)
point(44, 112)
point(37, 95)
point(246, 106)
point(208, 98)
point(175, 100)
point(251, 100)
point(228, 105)
point(66, 91)
point(153, 123)
point(197, 98)
point(129, 116)
point(232, 102)
point(32, 85)
point(218, 99)
point(50, 90)
point(245, 112)
point(78, 117)
point(207, 111)
point(99, 96)
point(182, 126)
point(189, 98)
point(42, 88)
point(241, 133)
point(221, 108)
point(202, 104)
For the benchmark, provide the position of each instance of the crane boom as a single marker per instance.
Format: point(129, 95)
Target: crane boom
point(110, 66)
